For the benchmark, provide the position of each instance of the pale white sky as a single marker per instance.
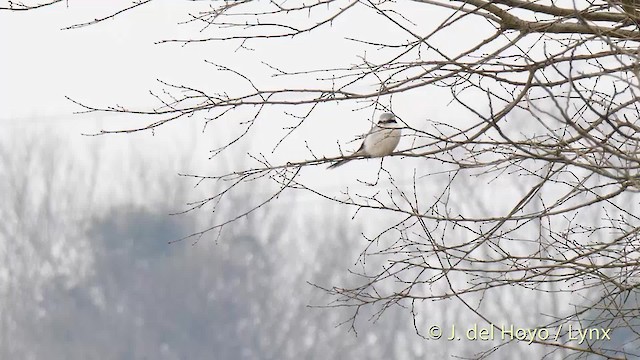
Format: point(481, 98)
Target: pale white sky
point(118, 62)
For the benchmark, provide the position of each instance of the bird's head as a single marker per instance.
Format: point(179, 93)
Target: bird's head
point(387, 120)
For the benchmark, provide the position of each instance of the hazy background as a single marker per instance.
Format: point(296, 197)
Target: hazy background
point(86, 269)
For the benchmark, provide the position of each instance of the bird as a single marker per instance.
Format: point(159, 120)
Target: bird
point(380, 141)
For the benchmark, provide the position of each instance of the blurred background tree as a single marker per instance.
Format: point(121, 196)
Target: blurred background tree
point(519, 186)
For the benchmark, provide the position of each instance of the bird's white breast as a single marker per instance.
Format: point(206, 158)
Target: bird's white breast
point(381, 141)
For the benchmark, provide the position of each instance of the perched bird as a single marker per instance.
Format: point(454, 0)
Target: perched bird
point(380, 141)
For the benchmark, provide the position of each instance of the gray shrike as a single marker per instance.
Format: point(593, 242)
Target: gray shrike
point(380, 141)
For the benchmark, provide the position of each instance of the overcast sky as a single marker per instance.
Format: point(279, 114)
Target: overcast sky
point(118, 62)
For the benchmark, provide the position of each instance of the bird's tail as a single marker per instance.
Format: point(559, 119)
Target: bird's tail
point(339, 163)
